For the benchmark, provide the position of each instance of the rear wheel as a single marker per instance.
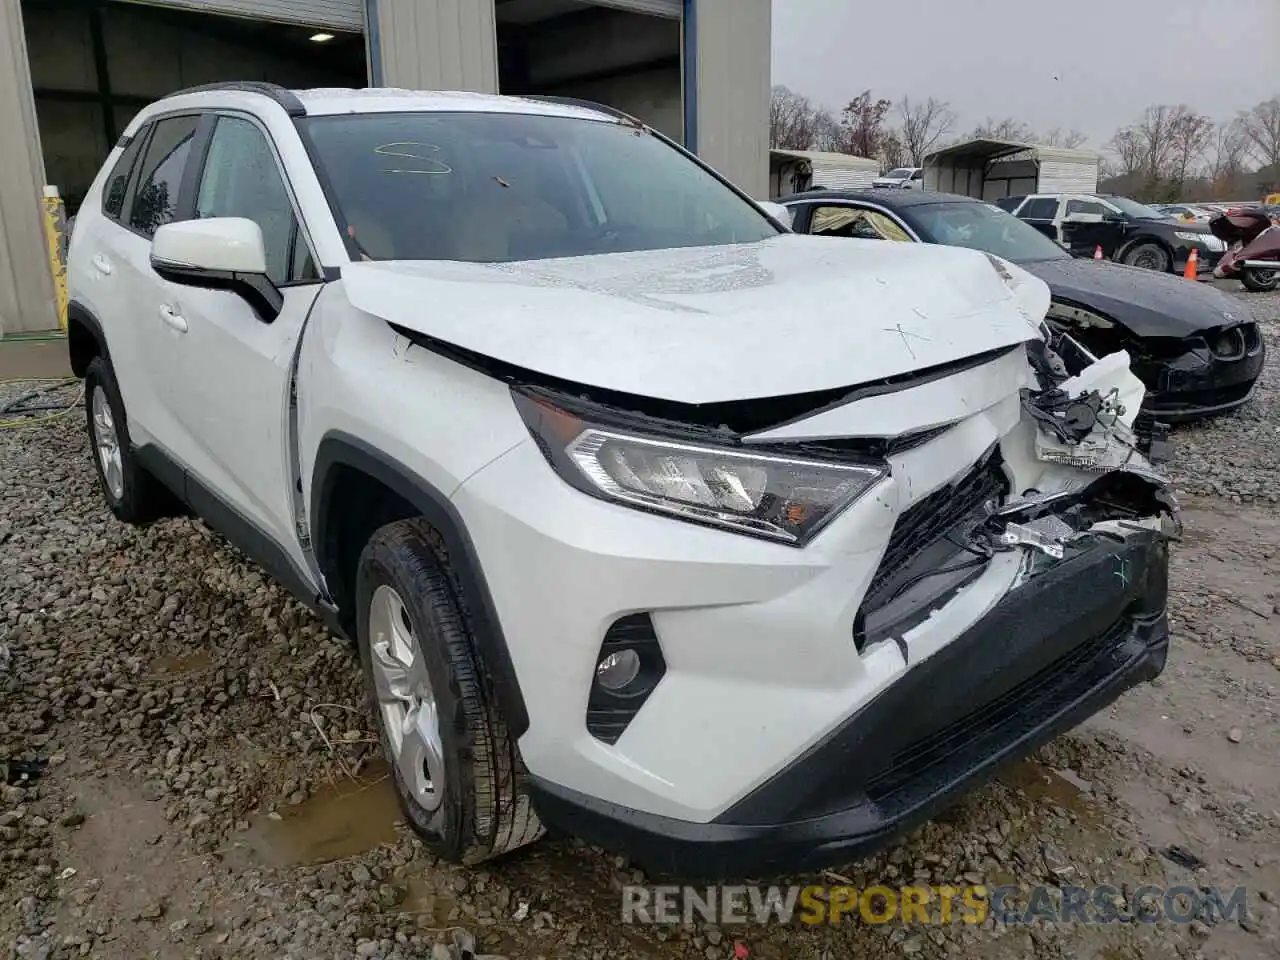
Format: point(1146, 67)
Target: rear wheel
point(132, 494)
point(456, 770)
point(1148, 256)
point(1260, 281)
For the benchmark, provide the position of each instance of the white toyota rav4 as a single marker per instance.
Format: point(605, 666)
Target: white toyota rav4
point(734, 550)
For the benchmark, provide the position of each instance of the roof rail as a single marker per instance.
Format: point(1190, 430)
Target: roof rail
point(285, 98)
point(586, 105)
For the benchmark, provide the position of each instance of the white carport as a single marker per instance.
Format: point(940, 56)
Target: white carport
point(791, 171)
point(990, 169)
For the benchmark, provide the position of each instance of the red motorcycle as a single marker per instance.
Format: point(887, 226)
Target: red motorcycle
point(1253, 249)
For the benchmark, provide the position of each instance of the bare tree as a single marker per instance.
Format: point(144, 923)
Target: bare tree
point(893, 153)
point(1006, 129)
point(1190, 135)
point(791, 120)
point(924, 123)
point(1262, 126)
point(1127, 147)
point(1056, 137)
point(1156, 138)
point(828, 134)
point(863, 123)
point(1227, 155)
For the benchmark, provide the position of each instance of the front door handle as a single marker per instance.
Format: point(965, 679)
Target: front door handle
point(173, 319)
point(102, 265)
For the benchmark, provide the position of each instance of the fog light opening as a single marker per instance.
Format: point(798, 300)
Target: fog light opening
point(618, 670)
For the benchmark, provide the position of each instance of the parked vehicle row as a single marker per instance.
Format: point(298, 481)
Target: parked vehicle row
point(1194, 348)
point(1126, 231)
point(651, 520)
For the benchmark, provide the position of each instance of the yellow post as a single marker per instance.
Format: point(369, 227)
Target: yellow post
point(55, 229)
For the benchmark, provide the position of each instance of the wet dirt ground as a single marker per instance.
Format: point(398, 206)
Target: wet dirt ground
point(212, 788)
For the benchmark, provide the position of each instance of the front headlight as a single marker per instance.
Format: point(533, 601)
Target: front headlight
point(780, 498)
point(1208, 240)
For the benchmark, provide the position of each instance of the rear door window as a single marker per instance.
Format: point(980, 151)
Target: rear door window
point(155, 202)
point(1040, 208)
point(1085, 206)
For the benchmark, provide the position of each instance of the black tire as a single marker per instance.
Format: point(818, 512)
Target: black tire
point(140, 498)
point(1148, 255)
point(485, 810)
point(1260, 281)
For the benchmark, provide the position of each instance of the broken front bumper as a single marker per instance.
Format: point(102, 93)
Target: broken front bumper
point(1207, 379)
point(1050, 653)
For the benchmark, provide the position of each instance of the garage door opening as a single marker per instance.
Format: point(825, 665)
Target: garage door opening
point(606, 52)
point(94, 65)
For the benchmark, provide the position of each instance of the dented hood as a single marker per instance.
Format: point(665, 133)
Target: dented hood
point(787, 315)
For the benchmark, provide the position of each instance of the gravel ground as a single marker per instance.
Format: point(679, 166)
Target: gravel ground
point(211, 788)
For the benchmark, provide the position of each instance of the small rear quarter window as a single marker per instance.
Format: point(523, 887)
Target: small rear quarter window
point(118, 182)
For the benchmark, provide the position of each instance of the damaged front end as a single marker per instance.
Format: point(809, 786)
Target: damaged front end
point(1210, 371)
point(1080, 474)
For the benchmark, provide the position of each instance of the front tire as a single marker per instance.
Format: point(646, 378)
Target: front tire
point(133, 494)
point(1260, 281)
point(1148, 256)
point(457, 772)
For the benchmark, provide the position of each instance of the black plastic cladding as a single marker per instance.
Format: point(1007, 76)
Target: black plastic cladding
point(609, 714)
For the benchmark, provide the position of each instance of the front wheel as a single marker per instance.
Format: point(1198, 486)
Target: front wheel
point(1148, 256)
point(1259, 280)
point(457, 772)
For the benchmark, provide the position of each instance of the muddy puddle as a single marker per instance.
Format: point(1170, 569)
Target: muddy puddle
point(339, 820)
point(1062, 788)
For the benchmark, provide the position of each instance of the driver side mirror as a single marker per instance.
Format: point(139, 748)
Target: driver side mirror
point(221, 253)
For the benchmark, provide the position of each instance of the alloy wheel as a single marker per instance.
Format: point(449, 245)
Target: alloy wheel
point(410, 713)
point(107, 442)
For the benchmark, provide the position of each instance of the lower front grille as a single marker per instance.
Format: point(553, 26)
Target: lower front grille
point(1031, 700)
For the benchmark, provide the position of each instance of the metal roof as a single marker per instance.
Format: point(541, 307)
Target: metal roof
point(828, 157)
point(985, 148)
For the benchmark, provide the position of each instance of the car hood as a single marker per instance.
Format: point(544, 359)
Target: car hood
point(1147, 303)
point(787, 315)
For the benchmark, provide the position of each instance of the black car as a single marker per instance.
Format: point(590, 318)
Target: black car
point(1127, 231)
point(1196, 348)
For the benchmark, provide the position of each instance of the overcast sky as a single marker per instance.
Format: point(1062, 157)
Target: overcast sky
point(1089, 64)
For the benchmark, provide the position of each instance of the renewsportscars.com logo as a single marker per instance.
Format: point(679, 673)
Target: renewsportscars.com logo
point(970, 904)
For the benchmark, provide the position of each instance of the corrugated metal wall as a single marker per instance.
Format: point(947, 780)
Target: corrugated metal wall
point(1068, 176)
point(338, 14)
point(26, 287)
point(441, 45)
point(844, 176)
point(732, 49)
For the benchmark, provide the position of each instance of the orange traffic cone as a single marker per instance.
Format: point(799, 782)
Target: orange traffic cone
point(1097, 252)
point(1193, 264)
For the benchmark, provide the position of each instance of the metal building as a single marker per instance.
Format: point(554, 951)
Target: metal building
point(75, 72)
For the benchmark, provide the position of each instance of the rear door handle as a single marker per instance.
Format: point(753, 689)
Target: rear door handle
point(102, 264)
point(175, 320)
